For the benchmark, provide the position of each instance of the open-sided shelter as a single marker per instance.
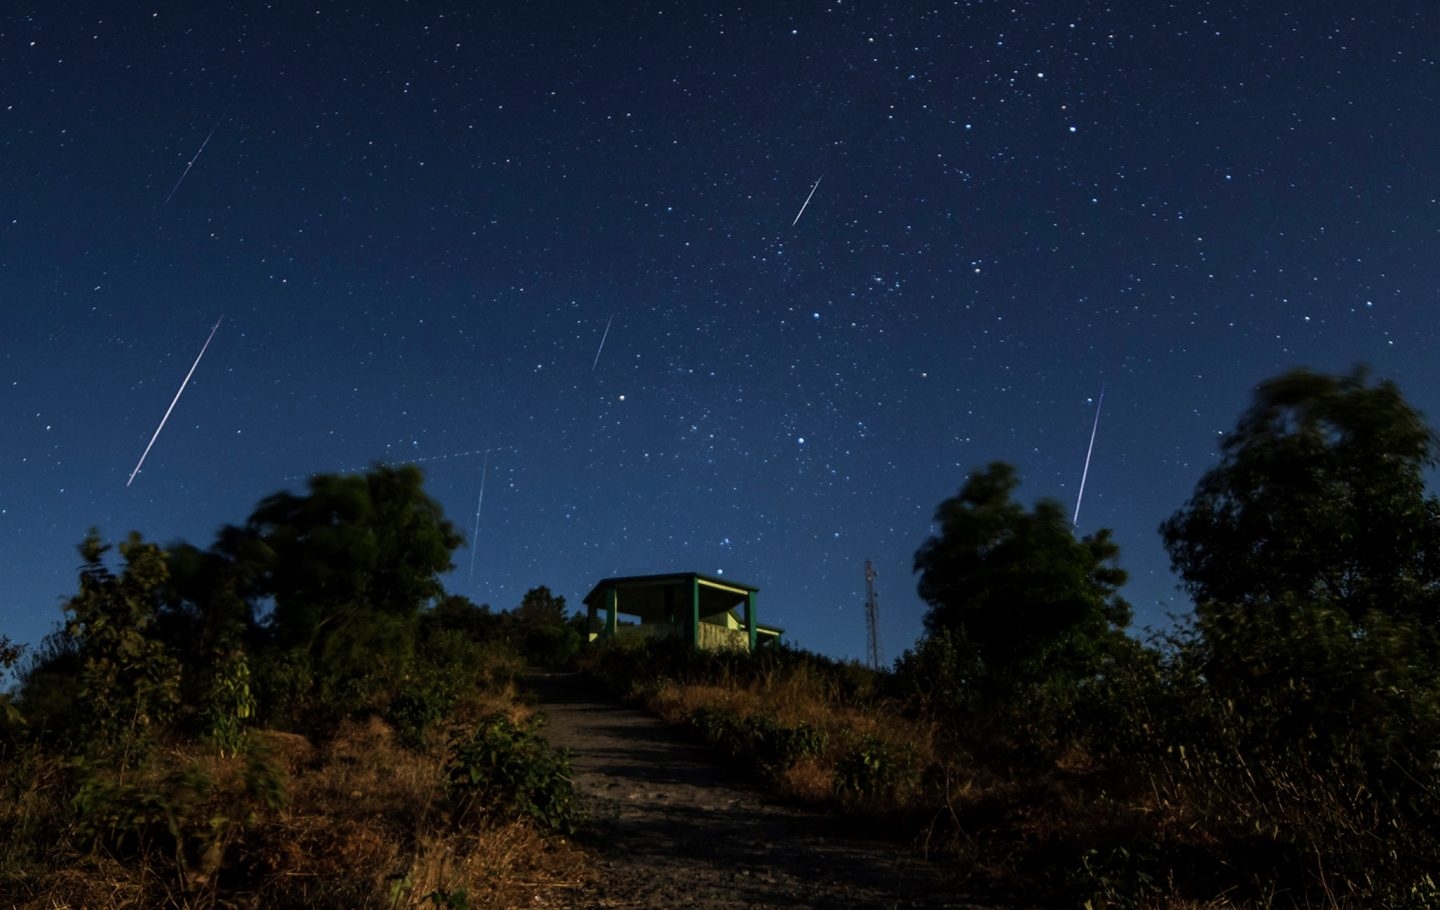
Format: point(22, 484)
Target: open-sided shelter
point(708, 612)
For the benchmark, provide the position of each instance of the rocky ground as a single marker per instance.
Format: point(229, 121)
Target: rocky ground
point(668, 827)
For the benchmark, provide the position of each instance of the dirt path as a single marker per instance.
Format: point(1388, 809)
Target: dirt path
point(671, 828)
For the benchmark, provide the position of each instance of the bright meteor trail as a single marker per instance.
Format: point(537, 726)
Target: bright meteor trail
point(1086, 473)
point(806, 203)
point(602, 343)
point(173, 401)
point(192, 164)
point(479, 504)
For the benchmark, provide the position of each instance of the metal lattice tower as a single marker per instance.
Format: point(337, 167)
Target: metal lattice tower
point(872, 618)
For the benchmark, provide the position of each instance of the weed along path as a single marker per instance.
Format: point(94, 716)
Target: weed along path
point(669, 827)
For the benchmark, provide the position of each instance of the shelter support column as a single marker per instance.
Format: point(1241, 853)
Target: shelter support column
point(750, 618)
point(694, 611)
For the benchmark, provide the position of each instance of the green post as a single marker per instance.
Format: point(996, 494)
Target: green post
point(694, 611)
point(610, 610)
point(750, 618)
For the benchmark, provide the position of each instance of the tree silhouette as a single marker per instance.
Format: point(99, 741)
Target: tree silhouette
point(1319, 497)
point(1013, 583)
point(347, 569)
point(370, 545)
point(130, 685)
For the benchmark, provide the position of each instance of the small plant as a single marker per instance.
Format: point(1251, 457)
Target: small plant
point(874, 768)
point(506, 769)
point(229, 705)
point(1121, 877)
point(182, 820)
point(417, 708)
point(459, 899)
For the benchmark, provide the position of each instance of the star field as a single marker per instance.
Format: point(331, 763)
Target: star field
point(555, 245)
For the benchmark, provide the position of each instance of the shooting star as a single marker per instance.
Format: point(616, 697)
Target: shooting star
point(479, 503)
point(807, 200)
point(174, 400)
point(602, 343)
point(192, 162)
point(1086, 473)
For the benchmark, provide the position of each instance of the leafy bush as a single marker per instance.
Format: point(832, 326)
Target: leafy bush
point(228, 704)
point(508, 770)
point(758, 739)
point(181, 822)
point(873, 768)
point(417, 708)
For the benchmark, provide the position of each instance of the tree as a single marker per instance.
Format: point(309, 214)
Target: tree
point(546, 639)
point(130, 685)
point(1319, 497)
point(356, 545)
point(348, 568)
point(1013, 584)
point(1313, 553)
point(541, 608)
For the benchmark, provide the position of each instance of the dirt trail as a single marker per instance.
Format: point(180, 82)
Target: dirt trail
point(671, 828)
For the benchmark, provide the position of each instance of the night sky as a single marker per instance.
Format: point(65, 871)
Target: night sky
point(566, 233)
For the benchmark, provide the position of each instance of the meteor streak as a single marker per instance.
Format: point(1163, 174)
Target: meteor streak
point(1086, 473)
point(602, 343)
point(174, 400)
point(807, 200)
point(192, 163)
point(475, 539)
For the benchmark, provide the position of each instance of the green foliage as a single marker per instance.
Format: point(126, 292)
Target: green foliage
point(418, 707)
point(355, 549)
point(459, 899)
point(10, 717)
point(553, 647)
point(1309, 708)
point(539, 628)
point(1014, 581)
point(182, 819)
point(284, 685)
point(940, 675)
point(454, 613)
point(48, 696)
point(129, 684)
point(1319, 495)
point(228, 706)
point(758, 739)
point(1118, 878)
point(872, 769)
point(541, 608)
point(508, 770)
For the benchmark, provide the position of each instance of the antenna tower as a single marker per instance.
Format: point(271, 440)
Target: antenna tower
point(872, 618)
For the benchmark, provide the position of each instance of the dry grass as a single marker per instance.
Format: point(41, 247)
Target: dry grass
point(800, 696)
point(366, 825)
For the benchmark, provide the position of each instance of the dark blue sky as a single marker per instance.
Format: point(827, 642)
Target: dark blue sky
point(419, 219)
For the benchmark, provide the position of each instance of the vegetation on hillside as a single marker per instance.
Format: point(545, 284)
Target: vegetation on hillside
point(300, 716)
point(297, 716)
point(1280, 748)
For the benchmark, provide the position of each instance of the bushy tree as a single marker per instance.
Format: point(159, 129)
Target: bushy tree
point(130, 685)
point(1319, 497)
point(541, 608)
point(355, 544)
point(1016, 584)
point(347, 569)
point(545, 635)
point(1311, 550)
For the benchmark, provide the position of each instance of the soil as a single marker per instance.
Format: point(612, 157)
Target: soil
point(667, 826)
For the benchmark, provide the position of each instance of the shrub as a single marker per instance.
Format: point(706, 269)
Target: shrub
point(182, 822)
point(875, 769)
point(417, 708)
point(507, 770)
